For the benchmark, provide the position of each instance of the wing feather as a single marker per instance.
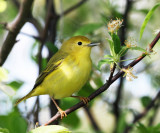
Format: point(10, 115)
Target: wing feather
point(52, 65)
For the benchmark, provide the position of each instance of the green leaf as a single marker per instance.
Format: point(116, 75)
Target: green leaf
point(50, 129)
point(44, 63)
point(52, 47)
point(123, 51)
point(121, 122)
point(87, 28)
point(4, 130)
point(116, 42)
point(150, 13)
point(3, 74)
point(104, 61)
point(111, 45)
point(108, 56)
point(15, 84)
point(138, 48)
point(148, 129)
point(34, 47)
point(13, 122)
point(145, 100)
point(141, 128)
point(145, 11)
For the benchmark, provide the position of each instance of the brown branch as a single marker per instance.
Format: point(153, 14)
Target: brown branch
point(106, 85)
point(36, 24)
point(14, 28)
point(32, 36)
point(141, 115)
point(44, 34)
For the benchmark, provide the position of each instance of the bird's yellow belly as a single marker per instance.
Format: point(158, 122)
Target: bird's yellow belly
point(67, 79)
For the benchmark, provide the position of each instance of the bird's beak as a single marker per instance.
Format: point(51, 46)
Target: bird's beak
point(93, 44)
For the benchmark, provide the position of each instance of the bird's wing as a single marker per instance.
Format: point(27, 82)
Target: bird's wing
point(52, 65)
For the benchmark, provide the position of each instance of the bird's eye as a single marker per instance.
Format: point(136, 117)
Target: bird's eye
point(79, 43)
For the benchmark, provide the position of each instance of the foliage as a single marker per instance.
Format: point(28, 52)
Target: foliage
point(148, 129)
point(83, 20)
point(50, 129)
point(13, 122)
point(147, 18)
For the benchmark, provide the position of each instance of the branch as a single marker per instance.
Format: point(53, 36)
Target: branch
point(45, 32)
point(153, 117)
point(141, 115)
point(106, 85)
point(91, 118)
point(14, 28)
point(73, 8)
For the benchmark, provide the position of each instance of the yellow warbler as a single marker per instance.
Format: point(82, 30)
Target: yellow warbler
point(66, 72)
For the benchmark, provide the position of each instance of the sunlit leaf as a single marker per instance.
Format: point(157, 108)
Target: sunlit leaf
point(147, 18)
point(138, 49)
point(104, 61)
point(123, 51)
point(3, 74)
point(50, 129)
point(111, 45)
point(108, 56)
point(87, 28)
point(3, 6)
point(4, 130)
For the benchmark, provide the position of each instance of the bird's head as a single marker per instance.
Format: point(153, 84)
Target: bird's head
point(78, 44)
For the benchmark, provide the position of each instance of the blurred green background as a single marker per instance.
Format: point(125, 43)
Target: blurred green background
point(112, 111)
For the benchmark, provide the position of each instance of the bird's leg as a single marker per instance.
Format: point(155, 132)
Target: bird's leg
point(85, 100)
point(62, 113)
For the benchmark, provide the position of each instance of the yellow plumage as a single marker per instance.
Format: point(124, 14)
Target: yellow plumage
point(66, 72)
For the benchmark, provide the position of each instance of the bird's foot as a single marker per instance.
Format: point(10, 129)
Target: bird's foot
point(85, 100)
point(62, 113)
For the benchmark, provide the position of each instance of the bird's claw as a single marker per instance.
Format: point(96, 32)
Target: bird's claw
point(62, 113)
point(85, 100)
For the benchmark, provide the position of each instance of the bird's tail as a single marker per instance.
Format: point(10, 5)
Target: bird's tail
point(20, 100)
point(23, 98)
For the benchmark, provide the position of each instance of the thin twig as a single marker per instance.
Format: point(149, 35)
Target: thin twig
point(156, 111)
point(141, 115)
point(73, 7)
point(106, 85)
point(94, 124)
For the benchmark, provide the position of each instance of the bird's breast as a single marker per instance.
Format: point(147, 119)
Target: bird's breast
point(78, 68)
point(69, 77)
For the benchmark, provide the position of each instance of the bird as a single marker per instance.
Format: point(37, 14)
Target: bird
point(66, 72)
